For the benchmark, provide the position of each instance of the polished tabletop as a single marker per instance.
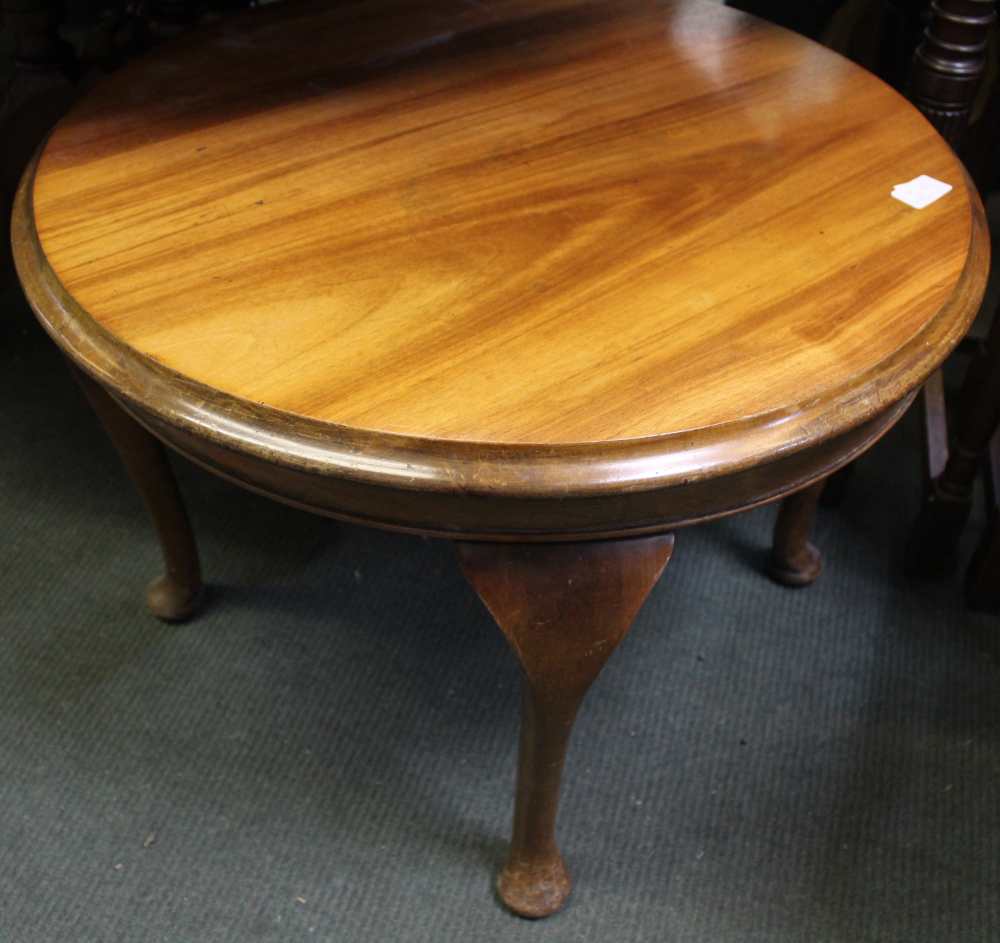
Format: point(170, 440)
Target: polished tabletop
point(518, 223)
point(546, 278)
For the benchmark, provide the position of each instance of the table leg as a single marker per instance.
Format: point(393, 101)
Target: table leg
point(175, 595)
point(795, 561)
point(563, 608)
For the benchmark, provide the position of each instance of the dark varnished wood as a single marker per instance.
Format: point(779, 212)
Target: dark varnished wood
point(933, 545)
point(982, 578)
point(947, 70)
point(563, 608)
point(176, 594)
point(949, 64)
point(795, 560)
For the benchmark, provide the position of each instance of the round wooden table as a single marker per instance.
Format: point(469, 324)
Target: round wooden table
point(550, 279)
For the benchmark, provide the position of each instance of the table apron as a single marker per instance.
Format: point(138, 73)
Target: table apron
point(470, 516)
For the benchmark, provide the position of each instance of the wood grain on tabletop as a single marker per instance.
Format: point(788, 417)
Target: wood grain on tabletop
point(508, 221)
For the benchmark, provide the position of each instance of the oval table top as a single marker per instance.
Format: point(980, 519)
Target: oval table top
point(521, 229)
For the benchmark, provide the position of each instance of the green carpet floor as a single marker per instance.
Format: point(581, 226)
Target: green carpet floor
point(327, 753)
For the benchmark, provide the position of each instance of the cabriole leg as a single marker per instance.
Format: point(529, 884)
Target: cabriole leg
point(795, 561)
point(563, 608)
point(175, 595)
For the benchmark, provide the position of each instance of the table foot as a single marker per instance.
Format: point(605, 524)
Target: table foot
point(177, 594)
point(535, 889)
point(172, 600)
point(563, 608)
point(933, 542)
point(932, 550)
point(982, 579)
point(795, 561)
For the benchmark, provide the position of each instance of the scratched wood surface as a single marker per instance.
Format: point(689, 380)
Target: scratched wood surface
point(509, 222)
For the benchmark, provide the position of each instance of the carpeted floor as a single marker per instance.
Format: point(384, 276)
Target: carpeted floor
point(328, 752)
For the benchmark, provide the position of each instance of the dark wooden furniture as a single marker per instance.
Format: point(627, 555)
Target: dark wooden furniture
point(550, 279)
point(982, 577)
point(946, 72)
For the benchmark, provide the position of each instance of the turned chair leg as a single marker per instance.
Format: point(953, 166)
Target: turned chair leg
point(563, 608)
point(982, 579)
point(949, 64)
point(794, 560)
point(947, 68)
point(932, 549)
point(176, 594)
